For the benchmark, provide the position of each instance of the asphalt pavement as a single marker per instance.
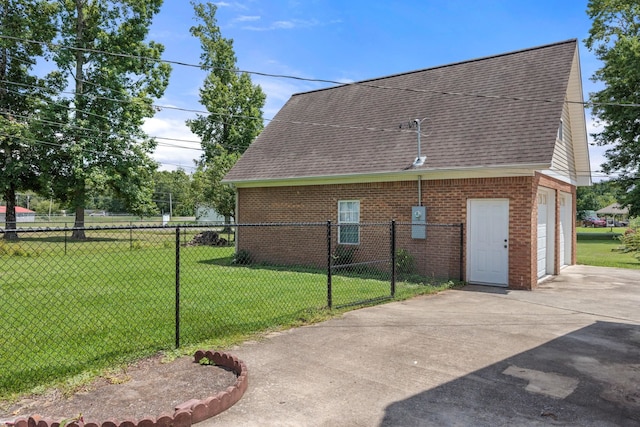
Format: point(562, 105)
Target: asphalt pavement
point(567, 353)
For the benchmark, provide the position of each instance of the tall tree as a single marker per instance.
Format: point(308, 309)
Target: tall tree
point(115, 75)
point(173, 192)
point(597, 196)
point(20, 91)
point(207, 186)
point(234, 104)
point(614, 38)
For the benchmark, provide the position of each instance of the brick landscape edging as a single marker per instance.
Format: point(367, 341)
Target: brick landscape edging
point(187, 413)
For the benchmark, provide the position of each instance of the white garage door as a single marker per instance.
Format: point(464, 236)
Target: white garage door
point(543, 215)
point(565, 229)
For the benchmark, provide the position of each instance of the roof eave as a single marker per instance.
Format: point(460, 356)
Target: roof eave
point(486, 171)
point(579, 124)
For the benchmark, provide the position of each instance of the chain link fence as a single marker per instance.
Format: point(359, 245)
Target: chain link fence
point(70, 306)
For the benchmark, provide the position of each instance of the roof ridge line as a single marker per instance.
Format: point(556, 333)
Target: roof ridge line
point(482, 58)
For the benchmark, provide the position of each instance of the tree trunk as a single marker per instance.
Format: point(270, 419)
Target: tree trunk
point(79, 193)
point(78, 202)
point(10, 218)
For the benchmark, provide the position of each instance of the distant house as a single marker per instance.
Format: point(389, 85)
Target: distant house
point(22, 214)
point(208, 214)
point(615, 214)
point(505, 142)
point(613, 210)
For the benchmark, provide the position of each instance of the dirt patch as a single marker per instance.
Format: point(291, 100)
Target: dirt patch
point(147, 389)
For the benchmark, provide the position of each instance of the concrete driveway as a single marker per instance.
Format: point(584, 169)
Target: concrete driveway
point(567, 353)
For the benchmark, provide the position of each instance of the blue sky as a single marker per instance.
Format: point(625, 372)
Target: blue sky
point(352, 40)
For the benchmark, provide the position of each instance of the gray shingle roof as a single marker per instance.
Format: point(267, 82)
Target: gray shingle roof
point(474, 118)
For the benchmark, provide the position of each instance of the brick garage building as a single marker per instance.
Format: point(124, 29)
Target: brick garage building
point(505, 144)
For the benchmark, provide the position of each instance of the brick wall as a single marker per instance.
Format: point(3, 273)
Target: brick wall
point(446, 202)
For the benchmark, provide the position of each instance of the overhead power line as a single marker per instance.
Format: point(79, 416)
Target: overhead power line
point(368, 83)
point(597, 174)
point(87, 150)
point(297, 122)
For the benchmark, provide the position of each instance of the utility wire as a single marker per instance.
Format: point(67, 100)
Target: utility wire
point(85, 150)
point(315, 80)
point(162, 144)
point(224, 146)
point(599, 174)
point(364, 83)
point(297, 122)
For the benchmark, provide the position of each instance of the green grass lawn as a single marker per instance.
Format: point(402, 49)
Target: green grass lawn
point(72, 307)
point(601, 247)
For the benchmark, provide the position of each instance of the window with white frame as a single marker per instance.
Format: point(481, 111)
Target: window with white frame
point(348, 220)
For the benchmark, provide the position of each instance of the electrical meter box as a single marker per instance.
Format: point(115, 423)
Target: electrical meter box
point(418, 222)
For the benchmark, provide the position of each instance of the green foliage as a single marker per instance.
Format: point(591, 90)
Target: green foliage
point(206, 361)
point(242, 257)
point(344, 254)
point(17, 250)
point(22, 95)
point(631, 242)
point(174, 187)
point(207, 184)
point(234, 104)
point(43, 207)
point(597, 196)
point(405, 262)
point(99, 128)
point(614, 38)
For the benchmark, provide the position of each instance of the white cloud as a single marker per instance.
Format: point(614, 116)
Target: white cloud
point(234, 5)
point(246, 18)
point(287, 25)
point(177, 146)
point(283, 25)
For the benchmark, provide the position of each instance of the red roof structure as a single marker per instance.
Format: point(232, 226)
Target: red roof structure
point(19, 210)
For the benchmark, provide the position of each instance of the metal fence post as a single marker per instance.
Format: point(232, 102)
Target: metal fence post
point(461, 250)
point(65, 238)
point(178, 287)
point(329, 302)
point(393, 258)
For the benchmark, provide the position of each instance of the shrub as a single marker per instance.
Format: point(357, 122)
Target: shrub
point(17, 250)
point(631, 242)
point(344, 254)
point(405, 262)
point(242, 257)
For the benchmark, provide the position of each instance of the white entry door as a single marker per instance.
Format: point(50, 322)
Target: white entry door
point(488, 241)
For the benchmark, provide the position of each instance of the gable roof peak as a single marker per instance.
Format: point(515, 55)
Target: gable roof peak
point(491, 112)
point(435, 67)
